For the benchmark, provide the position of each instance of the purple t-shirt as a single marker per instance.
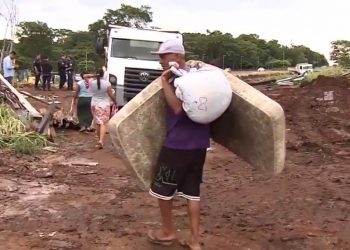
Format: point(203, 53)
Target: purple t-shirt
point(183, 133)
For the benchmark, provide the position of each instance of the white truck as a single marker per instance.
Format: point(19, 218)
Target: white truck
point(301, 68)
point(130, 64)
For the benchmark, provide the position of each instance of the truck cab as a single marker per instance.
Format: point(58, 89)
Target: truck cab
point(302, 68)
point(130, 64)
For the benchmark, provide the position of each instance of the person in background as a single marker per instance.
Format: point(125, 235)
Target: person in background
point(37, 69)
point(9, 67)
point(61, 66)
point(102, 93)
point(69, 71)
point(47, 72)
point(82, 101)
point(113, 107)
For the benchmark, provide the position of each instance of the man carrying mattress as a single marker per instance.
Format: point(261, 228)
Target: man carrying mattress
point(180, 165)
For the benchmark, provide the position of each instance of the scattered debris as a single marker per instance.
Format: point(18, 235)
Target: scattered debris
point(80, 163)
point(15, 99)
point(43, 173)
point(328, 96)
point(88, 172)
point(8, 186)
point(332, 110)
point(50, 149)
point(40, 99)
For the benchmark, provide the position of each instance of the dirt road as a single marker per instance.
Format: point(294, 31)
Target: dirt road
point(48, 204)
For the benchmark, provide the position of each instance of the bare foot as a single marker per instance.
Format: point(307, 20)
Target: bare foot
point(159, 237)
point(99, 145)
point(191, 244)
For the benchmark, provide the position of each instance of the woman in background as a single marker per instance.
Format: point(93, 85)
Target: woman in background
point(102, 94)
point(82, 102)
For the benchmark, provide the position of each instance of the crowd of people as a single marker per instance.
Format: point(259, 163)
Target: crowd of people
point(94, 102)
point(42, 69)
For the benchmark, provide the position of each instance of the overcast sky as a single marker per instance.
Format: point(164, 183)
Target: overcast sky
point(311, 23)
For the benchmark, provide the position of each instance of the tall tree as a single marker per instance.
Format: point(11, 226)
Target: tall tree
point(341, 52)
point(126, 15)
point(81, 46)
point(34, 37)
point(61, 35)
point(247, 51)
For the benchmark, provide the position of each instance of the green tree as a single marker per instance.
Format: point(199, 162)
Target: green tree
point(275, 63)
point(341, 52)
point(126, 15)
point(81, 47)
point(246, 51)
point(34, 38)
point(61, 35)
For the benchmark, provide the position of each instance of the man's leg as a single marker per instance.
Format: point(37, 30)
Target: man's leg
point(44, 82)
point(37, 79)
point(191, 191)
point(48, 82)
point(62, 80)
point(194, 215)
point(9, 79)
point(163, 188)
point(167, 231)
point(70, 82)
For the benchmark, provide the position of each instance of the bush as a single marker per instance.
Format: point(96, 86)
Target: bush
point(13, 134)
point(326, 71)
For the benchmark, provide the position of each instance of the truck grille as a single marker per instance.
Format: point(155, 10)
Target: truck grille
point(135, 80)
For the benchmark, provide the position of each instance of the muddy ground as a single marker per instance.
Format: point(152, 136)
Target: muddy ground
point(47, 203)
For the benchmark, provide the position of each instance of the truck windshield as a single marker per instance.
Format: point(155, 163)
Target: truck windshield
point(135, 49)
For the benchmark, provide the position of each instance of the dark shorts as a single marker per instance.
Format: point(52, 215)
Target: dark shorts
point(178, 172)
point(9, 79)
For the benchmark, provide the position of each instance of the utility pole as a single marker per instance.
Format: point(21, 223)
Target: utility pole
point(241, 62)
point(223, 61)
point(203, 57)
point(283, 58)
point(11, 22)
point(85, 60)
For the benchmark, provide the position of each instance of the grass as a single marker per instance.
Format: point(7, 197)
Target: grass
point(30, 143)
point(328, 71)
point(13, 134)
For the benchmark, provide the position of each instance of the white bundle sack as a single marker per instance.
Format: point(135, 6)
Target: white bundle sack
point(206, 94)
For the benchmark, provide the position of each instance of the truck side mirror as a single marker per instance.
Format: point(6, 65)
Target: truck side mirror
point(100, 42)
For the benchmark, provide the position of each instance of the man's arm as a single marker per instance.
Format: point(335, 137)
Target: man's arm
point(169, 93)
point(36, 71)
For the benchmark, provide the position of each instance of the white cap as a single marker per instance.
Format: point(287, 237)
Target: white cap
point(174, 46)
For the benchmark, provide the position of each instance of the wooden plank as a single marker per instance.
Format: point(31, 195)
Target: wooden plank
point(45, 122)
point(32, 111)
point(38, 99)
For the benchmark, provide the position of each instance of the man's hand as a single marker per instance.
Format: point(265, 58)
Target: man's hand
point(169, 92)
point(166, 75)
point(195, 64)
